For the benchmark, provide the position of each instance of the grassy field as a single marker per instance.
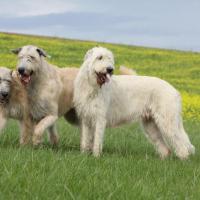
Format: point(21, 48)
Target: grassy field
point(129, 167)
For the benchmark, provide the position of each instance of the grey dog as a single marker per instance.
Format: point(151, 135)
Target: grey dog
point(49, 88)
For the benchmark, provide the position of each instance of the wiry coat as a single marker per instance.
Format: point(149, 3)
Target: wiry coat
point(50, 96)
point(49, 88)
point(17, 107)
point(124, 99)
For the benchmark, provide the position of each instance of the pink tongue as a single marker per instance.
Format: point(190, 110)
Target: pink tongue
point(26, 79)
point(107, 78)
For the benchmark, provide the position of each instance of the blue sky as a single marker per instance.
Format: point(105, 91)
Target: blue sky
point(172, 24)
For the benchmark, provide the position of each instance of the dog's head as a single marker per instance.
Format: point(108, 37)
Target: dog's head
point(100, 64)
point(30, 59)
point(5, 84)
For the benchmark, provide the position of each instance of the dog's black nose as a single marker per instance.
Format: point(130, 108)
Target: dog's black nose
point(109, 70)
point(21, 70)
point(4, 94)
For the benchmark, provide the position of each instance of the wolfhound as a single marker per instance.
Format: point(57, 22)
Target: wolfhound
point(49, 88)
point(14, 103)
point(102, 100)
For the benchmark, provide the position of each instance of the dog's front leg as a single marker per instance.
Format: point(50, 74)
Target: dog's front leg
point(3, 120)
point(45, 123)
point(53, 135)
point(98, 137)
point(86, 137)
point(26, 131)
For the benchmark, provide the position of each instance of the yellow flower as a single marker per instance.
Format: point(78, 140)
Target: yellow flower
point(191, 106)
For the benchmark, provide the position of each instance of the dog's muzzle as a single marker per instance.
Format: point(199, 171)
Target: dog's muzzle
point(110, 70)
point(104, 77)
point(24, 76)
point(4, 97)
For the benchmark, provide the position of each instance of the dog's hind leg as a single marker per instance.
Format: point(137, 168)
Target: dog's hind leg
point(153, 134)
point(186, 139)
point(170, 129)
point(53, 135)
point(42, 126)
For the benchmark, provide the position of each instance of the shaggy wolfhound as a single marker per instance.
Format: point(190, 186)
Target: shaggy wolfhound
point(14, 104)
point(49, 88)
point(103, 100)
point(50, 91)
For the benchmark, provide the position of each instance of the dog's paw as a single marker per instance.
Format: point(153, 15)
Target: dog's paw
point(183, 153)
point(191, 149)
point(165, 154)
point(37, 140)
point(24, 142)
point(96, 153)
point(85, 150)
point(54, 139)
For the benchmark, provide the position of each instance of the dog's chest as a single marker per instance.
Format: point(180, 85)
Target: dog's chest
point(94, 106)
point(40, 109)
point(15, 111)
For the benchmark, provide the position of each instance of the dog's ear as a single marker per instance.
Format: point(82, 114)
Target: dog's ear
point(16, 51)
point(88, 54)
point(12, 74)
point(41, 52)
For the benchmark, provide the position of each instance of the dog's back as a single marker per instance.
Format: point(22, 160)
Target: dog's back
point(126, 71)
point(67, 76)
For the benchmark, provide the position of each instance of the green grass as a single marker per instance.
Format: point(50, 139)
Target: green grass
point(129, 167)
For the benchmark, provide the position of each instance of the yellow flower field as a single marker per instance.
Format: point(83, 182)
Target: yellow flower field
point(130, 167)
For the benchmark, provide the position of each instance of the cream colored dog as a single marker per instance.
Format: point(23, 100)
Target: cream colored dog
point(14, 103)
point(103, 100)
point(49, 88)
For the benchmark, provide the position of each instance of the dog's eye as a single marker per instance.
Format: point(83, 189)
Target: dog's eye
point(6, 80)
point(32, 57)
point(99, 57)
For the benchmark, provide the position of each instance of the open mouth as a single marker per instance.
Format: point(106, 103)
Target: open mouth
point(3, 100)
point(103, 77)
point(25, 78)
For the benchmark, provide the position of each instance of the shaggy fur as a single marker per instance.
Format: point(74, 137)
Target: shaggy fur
point(49, 88)
point(124, 99)
point(14, 103)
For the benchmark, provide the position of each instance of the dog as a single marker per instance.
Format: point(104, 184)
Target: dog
point(102, 100)
point(14, 103)
point(49, 89)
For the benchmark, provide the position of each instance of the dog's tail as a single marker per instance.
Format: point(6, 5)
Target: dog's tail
point(126, 71)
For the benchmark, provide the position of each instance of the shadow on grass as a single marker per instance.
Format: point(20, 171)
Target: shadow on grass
point(140, 152)
point(64, 148)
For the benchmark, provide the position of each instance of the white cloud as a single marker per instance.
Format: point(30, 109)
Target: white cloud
point(21, 8)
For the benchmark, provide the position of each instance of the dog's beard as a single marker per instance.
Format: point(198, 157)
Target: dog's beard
point(4, 101)
point(25, 79)
point(102, 78)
